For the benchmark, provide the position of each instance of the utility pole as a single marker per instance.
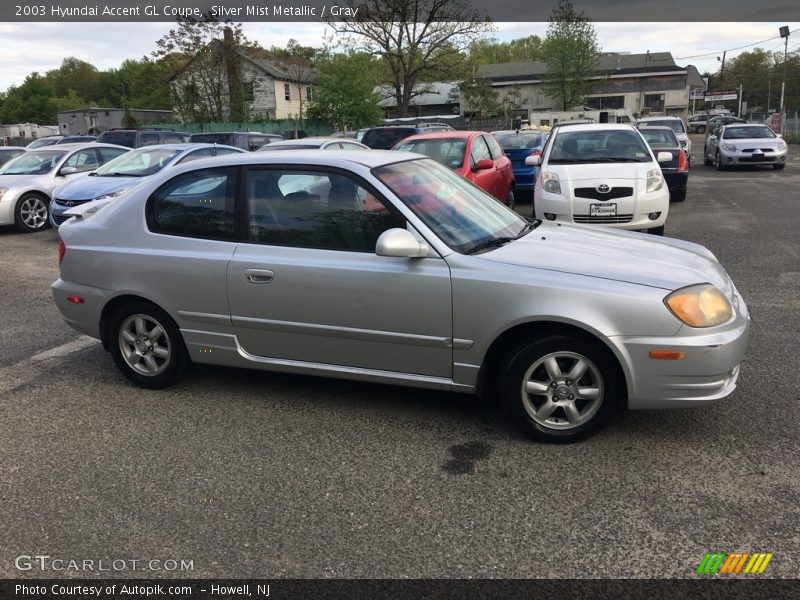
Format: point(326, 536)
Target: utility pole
point(784, 31)
point(739, 114)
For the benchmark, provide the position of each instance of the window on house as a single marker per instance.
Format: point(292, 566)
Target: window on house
point(654, 102)
point(287, 91)
point(606, 102)
point(248, 93)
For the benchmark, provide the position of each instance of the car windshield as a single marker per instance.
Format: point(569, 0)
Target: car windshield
point(519, 140)
point(446, 151)
point(461, 214)
point(675, 124)
point(41, 142)
point(139, 163)
point(745, 133)
point(121, 138)
point(617, 145)
point(33, 163)
point(659, 137)
point(213, 138)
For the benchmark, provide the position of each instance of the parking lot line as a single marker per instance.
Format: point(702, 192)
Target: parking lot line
point(22, 372)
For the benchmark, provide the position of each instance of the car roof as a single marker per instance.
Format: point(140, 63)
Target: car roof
point(597, 126)
point(521, 131)
point(184, 146)
point(231, 133)
point(13, 148)
point(747, 125)
point(432, 135)
point(308, 140)
point(664, 118)
point(371, 159)
point(76, 146)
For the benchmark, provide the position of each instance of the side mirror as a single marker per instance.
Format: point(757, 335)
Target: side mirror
point(400, 243)
point(484, 164)
point(533, 161)
point(779, 135)
point(663, 157)
point(68, 171)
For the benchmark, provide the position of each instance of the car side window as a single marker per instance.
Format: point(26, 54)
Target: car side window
point(224, 151)
point(173, 138)
point(148, 139)
point(202, 153)
point(107, 154)
point(195, 204)
point(494, 148)
point(83, 160)
point(480, 150)
point(308, 209)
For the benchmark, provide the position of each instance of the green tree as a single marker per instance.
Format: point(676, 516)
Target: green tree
point(491, 51)
point(344, 92)
point(419, 41)
point(29, 102)
point(570, 51)
point(209, 84)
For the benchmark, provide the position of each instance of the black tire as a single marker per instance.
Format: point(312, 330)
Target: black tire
point(706, 161)
point(701, 129)
point(167, 370)
point(656, 230)
point(510, 198)
point(32, 213)
point(678, 195)
point(718, 162)
point(779, 167)
point(526, 366)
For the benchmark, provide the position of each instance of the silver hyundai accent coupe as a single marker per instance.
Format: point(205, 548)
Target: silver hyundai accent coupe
point(388, 267)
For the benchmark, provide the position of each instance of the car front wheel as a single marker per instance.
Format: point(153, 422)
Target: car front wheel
point(560, 388)
point(718, 162)
point(510, 198)
point(32, 213)
point(147, 346)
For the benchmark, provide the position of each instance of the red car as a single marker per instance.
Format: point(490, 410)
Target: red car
point(474, 154)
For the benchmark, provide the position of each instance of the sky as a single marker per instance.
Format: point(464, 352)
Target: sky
point(29, 47)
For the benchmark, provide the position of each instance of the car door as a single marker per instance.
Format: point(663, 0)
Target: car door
point(79, 161)
point(306, 284)
point(505, 174)
point(483, 178)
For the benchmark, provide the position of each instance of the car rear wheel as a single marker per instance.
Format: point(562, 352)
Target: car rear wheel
point(701, 129)
point(32, 213)
point(560, 388)
point(147, 346)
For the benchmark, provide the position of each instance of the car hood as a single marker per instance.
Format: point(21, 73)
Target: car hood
point(88, 188)
point(12, 181)
point(632, 257)
point(601, 171)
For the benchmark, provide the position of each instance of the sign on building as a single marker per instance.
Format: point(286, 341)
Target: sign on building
point(720, 95)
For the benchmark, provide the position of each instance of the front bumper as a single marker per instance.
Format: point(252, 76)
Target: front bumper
point(632, 214)
point(750, 158)
point(707, 374)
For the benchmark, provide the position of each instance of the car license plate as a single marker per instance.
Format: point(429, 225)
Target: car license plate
point(603, 210)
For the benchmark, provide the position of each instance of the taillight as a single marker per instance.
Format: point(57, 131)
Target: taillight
point(683, 162)
point(62, 250)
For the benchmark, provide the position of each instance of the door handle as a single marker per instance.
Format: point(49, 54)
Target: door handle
point(258, 275)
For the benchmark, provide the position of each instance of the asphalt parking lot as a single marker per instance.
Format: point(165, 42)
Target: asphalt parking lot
point(258, 474)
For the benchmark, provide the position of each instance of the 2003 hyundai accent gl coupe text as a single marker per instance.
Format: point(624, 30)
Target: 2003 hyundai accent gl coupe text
point(388, 267)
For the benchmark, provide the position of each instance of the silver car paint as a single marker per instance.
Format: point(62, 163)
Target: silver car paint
point(334, 321)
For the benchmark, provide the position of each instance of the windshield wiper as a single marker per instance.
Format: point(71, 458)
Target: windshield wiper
point(529, 226)
point(492, 243)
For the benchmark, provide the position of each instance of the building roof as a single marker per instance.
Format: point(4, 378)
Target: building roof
point(609, 63)
point(100, 109)
point(439, 92)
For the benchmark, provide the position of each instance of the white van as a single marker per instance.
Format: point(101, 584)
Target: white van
point(601, 174)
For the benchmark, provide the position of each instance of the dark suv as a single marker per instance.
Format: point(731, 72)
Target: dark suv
point(135, 138)
point(238, 139)
point(385, 138)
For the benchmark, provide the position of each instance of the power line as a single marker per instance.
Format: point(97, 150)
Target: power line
point(732, 49)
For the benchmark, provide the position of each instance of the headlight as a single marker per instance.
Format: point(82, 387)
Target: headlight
point(112, 194)
point(781, 146)
point(550, 183)
point(700, 305)
point(654, 180)
point(728, 147)
point(2, 191)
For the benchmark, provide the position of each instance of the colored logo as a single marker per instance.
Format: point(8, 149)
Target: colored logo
point(736, 562)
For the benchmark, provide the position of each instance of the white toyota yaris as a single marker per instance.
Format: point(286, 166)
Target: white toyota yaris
point(601, 174)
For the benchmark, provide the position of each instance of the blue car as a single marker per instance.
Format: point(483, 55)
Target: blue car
point(519, 145)
point(126, 171)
